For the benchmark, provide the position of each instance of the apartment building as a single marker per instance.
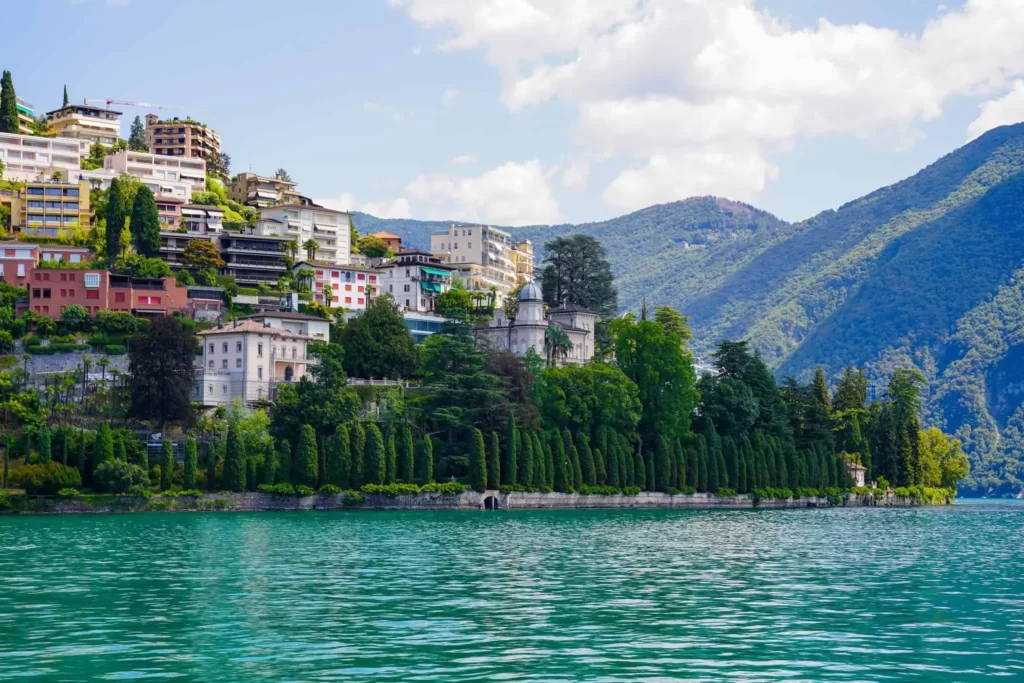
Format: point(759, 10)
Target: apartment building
point(317, 329)
point(51, 290)
point(153, 167)
point(252, 259)
point(522, 261)
point(483, 257)
point(205, 303)
point(26, 116)
point(327, 227)
point(26, 157)
point(181, 138)
point(19, 259)
point(247, 359)
point(262, 191)
point(415, 278)
point(50, 208)
point(351, 287)
point(85, 122)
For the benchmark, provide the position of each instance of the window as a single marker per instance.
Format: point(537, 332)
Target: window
point(238, 346)
point(348, 288)
point(360, 300)
point(1, 270)
point(211, 348)
point(360, 288)
point(407, 303)
point(64, 292)
point(238, 363)
point(361, 276)
point(406, 288)
point(46, 293)
point(21, 270)
point(92, 294)
point(211, 388)
point(119, 297)
point(259, 350)
point(335, 298)
point(373, 278)
point(92, 280)
point(211, 367)
point(469, 246)
point(63, 277)
point(75, 258)
point(225, 348)
point(259, 372)
point(37, 276)
point(224, 363)
point(224, 389)
point(71, 276)
point(46, 277)
point(348, 299)
point(35, 293)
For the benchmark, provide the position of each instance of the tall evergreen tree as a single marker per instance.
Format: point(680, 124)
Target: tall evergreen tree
point(81, 455)
point(680, 456)
point(45, 447)
point(425, 467)
point(64, 449)
point(119, 450)
point(391, 462)
point(509, 467)
point(549, 462)
point(741, 471)
point(821, 390)
point(692, 467)
point(67, 102)
point(601, 463)
point(374, 466)
point(628, 465)
point(587, 467)
point(283, 472)
point(575, 470)
point(188, 478)
point(540, 478)
point(406, 456)
point(713, 474)
point(662, 466)
point(252, 474)
point(730, 453)
point(477, 462)
point(103, 448)
point(116, 217)
point(137, 137)
point(7, 461)
point(640, 471)
point(8, 105)
point(527, 461)
point(702, 464)
point(612, 462)
point(233, 476)
point(307, 458)
point(494, 469)
point(359, 455)
point(145, 224)
point(652, 483)
point(562, 477)
point(339, 453)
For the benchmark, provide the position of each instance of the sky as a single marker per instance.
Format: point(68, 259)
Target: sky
point(519, 112)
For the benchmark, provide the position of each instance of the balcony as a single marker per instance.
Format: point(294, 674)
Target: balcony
point(255, 263)
point(271, 249)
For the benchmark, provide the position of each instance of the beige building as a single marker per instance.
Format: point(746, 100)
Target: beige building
point(247, 359)
point(327, 227)
point(181, 138)
point(484, 257)
point(261, 191)
point(86, 122)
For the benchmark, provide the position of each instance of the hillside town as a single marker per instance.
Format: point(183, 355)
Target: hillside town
point(261, 268)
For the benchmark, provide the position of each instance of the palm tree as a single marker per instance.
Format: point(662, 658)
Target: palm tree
point(305, 278)
point(293, 248)
point(310, 246)
point(328, 293)
point(556, 343)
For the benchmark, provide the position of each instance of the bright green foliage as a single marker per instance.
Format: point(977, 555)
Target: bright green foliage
point(145, 224)
point(425, 460)
point(477, 462)
point(494, 465)
point(374, 465)
point(137, 137)
point(391, 459)
point(307, 458)
point(103, 447)
point(8, 105)
point(233, 478)
point(406, 456)
point(119, 450)
point(586, 456)
point(527, 461)
point(44, 447)
point(540, 461)
point(191, 465)
point(588, 398)
point(509, 464)
point(378, 344)
point(167, 466)
point(562, 479)
point(358, 454)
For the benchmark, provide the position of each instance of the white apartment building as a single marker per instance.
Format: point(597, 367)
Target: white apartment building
point(159, 168)
point(317, 329)
point(27, 157)
point(415, 279)
point(485, 258)
point(85, 122)
point(327, 227)
point(101, 178)
point(351, 287)
point(247, 359)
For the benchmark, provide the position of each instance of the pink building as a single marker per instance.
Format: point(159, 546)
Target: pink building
point(51, 290)
point(18, 259)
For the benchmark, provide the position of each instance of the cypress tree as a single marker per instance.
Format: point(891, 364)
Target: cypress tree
point(741, 474)
point(702, 464)
point(145, 223)
point(680, 457)
point(167, 466)
point(307, 457)
point(252, 474)
point(509, 468)
point(103, 449)
point(730, 451)
point(137, 137)
point(27, 444)
point(613, 465)
point(119, 450)
point(8, 105)
point(692, 467)
point(233, 476)
point(527, 461)
point(115, 219)
point(283, 471)
point(67, 102)
point(549, 462)
point(406, 470)
point(358, 454)
point(780, 459)
point(81, 454)
point(540, 477)
point(560, 468)
point(652, 482)
point(64, 447)
point(7, 460)
point(586, 456)
point(477, 462)
point(374, 467)
point(639, 471)
point(188, 479)
point(494, 463)
point(662, 466)
point(45, 445)
point(391, 464)
point(574, 472)
point(713, 476)
point(770, 454)
point(601, 463)
point(626, 456)
point(339, 464)
point(723, 470)
point(425, 467)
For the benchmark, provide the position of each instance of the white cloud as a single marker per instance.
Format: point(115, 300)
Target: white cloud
point(701, 95)
point(416, 51)
point(346, 201)
point(449, 96)
point(576, 176)
point(463, 160)
point(994, 113)
point(511, 194)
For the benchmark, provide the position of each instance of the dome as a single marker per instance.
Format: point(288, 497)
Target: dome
point(530, 292)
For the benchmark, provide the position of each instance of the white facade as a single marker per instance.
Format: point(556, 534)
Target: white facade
point(101, 178)
point(85, 122)
point(27, 157)
point(351, 287)
point(415, 279)
point(327, 227)
point(247, 360)
point(485, 258)
point(317, 329)
point(155, 167)
point(202, 219)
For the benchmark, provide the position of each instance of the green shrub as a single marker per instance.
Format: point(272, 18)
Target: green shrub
point(31, 341)
point(353, 499)
point(630, 490)
point(807, 492)
point(330, 488)
point(446, 488)
point(599, 490)
point(282, 489)
point(688, 490)
point(390, 489)
point(45, 478)
point(68, 493)
point(771, 493)
point(187, 493)
point(118, 476)
point(726, 491)
point(115, 349)
point(302, 490)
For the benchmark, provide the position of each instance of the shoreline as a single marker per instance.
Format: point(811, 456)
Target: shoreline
point(470, 500)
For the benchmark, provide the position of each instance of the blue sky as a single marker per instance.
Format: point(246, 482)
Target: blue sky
point(457, 110)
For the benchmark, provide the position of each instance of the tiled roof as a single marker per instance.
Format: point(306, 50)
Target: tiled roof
point(252, 326)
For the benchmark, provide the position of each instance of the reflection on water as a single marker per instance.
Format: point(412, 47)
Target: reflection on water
point(882, 594)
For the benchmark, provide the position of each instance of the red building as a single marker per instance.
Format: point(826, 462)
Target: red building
point(18, 259)
point(52, 289)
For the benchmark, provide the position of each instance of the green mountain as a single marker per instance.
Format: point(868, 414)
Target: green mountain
point(928, 273)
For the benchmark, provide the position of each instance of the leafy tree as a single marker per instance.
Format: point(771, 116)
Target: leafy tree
point(284, 462)
point(188, 480)
point(145, 224)
point(528, 460)
point(358, 454)
point(494, 467)
point(116, 217)
point(586, 455)
point(202, 254)
point(321, 398)
point(821, 390)
point(425, 460)
point(103, 447)
point(374, 467)
point(119, 450)
point(477, 462)
point(455, 304)
point(378, 344)
point(116, 476)
point(339, 459)
point(137, 138)
point(8, 105)
point(306, 458)
point(540, 462)
point(282, 174)
point(268, 468)
point(161, 361)
point(374, 247)
point(577, 272)
point(167, 466)
point(673, 322)
point(234, 461)
point(572, 454)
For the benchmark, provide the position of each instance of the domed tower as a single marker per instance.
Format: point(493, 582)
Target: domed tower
point(531, 306)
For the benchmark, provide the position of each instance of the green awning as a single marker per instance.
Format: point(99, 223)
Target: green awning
point(434, 271)
point(431, 286)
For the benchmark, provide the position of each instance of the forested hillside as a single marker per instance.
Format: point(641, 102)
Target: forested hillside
point(926, 273)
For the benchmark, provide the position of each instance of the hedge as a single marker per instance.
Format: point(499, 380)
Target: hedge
point(115, 349)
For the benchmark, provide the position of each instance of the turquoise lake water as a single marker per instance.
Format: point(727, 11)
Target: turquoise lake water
point(933, 594)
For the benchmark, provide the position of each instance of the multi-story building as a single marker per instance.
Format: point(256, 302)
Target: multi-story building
point(393, 241)
point(247, 359)
point(153, 167)
point(51, 290)
point(19, 259)
point(317, 329)
point(26, 157)
point(26, 117)
point(327, 227)
point(169, 191)
point(86, 122)
point(252, 259)
point(415, 278)
point(195, 222)
point(351, 287)
point(483, 257)
point(205, 303)
point(261, 191)
point(522, 261)
point(181, 138)
point(50, 208)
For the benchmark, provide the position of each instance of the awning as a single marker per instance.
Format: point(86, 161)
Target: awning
point(434, 271)
point(431, 286)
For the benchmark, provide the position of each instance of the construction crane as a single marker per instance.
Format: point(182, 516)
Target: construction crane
point(145, 105)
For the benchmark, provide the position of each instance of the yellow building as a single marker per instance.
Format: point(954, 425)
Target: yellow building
point(85, 122)
point(51, 208)
point(522, 261)
point(261, 191)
